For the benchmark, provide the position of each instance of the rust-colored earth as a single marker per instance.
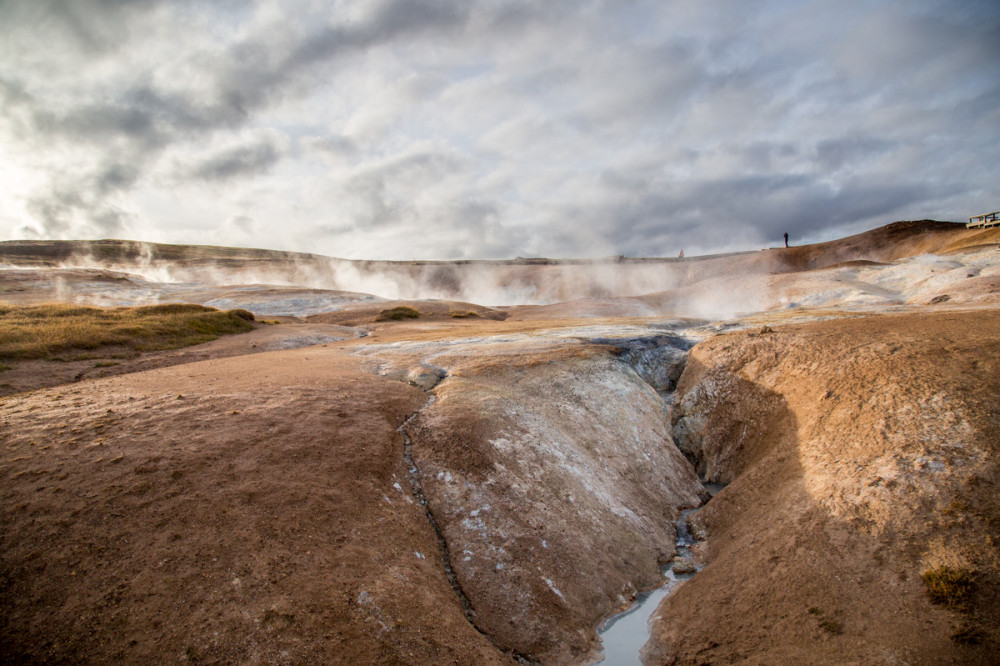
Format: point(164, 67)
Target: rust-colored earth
point(487, 483)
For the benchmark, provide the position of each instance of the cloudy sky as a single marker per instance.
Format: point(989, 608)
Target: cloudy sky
point(451, 129)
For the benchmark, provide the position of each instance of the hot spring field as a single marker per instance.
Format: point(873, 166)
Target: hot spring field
point(222, 455)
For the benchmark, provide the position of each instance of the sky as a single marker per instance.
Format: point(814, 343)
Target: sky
point(484, 129)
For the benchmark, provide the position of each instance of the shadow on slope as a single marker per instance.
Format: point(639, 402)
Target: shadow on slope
point(861, 455)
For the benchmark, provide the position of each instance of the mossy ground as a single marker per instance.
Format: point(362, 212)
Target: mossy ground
point(949, 586)
point(397, 314)
point(45, 331)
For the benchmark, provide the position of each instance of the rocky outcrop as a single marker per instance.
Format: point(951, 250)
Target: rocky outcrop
point(657, 359)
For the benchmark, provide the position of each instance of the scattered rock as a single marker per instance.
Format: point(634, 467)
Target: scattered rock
point(425, 377)
point(684, 565)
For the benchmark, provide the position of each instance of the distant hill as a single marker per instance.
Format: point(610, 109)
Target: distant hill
point(892, 241)
point(495, 282)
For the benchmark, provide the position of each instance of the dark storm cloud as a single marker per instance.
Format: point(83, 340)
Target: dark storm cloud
point(336, 146)
point(63, 209)
point(658, 219)
point(267, 65)
point(835, 153)
point(92, 26)
point(240, 161)
point(99, 122)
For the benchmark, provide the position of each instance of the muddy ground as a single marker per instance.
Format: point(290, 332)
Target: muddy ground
point(487, 489)
point(859, 454)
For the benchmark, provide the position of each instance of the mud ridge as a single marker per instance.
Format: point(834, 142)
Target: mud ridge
point(418, 494)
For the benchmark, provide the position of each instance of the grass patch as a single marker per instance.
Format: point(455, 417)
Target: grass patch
point(967, 634)
point(459, 314)
point(832, 626)
point(42, 331)
point(949, 586)
point(397, 314)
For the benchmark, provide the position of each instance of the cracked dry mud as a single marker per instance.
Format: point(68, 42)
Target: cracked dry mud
point(487, 490)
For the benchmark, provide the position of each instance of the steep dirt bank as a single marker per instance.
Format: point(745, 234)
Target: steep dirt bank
point(861, 454)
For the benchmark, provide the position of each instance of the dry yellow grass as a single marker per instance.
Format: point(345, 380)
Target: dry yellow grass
point(42, 331)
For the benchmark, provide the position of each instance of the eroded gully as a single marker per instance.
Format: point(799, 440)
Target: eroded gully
point(623, 635)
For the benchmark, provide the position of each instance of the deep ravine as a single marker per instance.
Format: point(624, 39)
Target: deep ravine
point(624, 635)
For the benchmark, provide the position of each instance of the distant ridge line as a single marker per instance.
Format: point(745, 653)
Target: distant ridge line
point(48, 252)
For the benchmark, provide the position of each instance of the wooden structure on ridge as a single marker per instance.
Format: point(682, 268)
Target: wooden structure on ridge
point(984, 221)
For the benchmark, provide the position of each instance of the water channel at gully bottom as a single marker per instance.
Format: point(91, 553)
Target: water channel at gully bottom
point(624, 635)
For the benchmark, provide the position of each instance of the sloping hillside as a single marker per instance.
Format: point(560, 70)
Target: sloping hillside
point(861, 461)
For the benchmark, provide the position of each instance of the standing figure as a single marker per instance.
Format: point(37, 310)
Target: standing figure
point(786, 239)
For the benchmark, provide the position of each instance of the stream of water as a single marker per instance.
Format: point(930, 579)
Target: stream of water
point(624, 635)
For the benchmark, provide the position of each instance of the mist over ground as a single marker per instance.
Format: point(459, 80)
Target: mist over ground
point(888, 266)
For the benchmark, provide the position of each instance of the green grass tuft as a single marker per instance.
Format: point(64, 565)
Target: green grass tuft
point(397, 314)
point(949, 586)
point(44, 331)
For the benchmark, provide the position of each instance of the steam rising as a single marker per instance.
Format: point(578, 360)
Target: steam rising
point(493, 283)
point(712, 288)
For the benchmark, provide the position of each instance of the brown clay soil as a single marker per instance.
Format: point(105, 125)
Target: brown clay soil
point(253, 509)
point(860, 453)
point(252, 500)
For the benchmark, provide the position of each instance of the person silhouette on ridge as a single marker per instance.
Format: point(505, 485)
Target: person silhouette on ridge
point(786, 239)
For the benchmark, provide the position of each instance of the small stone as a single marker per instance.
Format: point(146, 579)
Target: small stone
point(425, 377)
point(684, 565)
